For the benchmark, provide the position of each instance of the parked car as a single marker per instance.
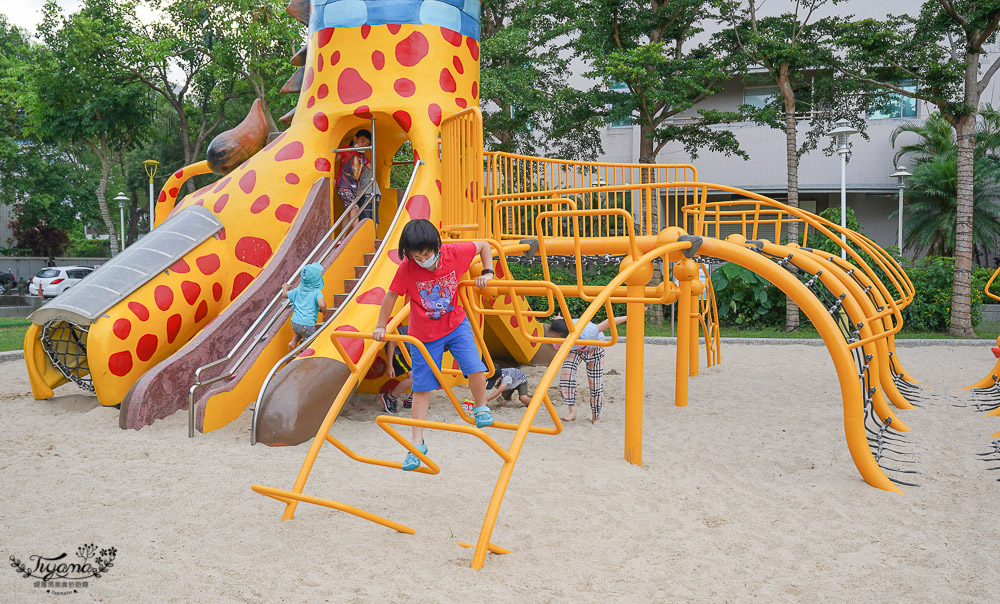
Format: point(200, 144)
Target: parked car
point(57, 279)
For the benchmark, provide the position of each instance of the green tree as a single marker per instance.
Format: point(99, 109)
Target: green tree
point(930, 214)
point(792, 48)
point(80, 97)
point(524, 85)
point(941, 50)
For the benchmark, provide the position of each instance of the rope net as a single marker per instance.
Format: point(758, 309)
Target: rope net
point(66, 346)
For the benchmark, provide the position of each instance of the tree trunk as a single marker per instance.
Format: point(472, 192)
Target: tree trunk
point(102, 202)
point(792, 166)
point(961, 292)
point(646, 157)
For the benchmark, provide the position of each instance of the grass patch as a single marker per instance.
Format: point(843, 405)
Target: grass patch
point(12, 333)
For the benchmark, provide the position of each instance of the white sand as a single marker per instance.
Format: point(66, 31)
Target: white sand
point(749, 493)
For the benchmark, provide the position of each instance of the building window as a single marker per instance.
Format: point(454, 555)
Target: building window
point(623, 122)
point(760, 97)
point(897, 105)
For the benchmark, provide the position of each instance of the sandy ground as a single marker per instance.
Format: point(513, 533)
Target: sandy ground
point(747, 494)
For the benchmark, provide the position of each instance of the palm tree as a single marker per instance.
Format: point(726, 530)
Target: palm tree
point(933, 188)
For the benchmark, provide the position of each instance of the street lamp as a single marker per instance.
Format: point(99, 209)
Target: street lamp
point(151, 165)
point(121, 198)
point(841, 133)
point(901, 174)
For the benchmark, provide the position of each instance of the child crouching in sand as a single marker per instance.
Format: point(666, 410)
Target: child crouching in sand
point(593, 356)
point(507, 382)
point(429, 274)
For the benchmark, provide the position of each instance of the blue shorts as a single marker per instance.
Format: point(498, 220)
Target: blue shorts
point(461, 343)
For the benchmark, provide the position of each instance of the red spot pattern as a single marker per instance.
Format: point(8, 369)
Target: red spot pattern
point(451, 36)
point(163, 296)
point(260, 204)
point(461, 103)
point(247, 182)
point(353, 346)
point(458, 64)
point(173, 192)
point(179, 173)
point(335, 58)
point(377, 369)
point(286, 213)
point(222, 184)
point(365, 31)
point(217, 291)
point(351, 87)
point(293, 150)
point(403, 119)
point(323, 38)
point(363, 112)
point(447, 81)
point(253, 250)
point(120, 363)
point(475, 90)
point(434, 112)
point(319, 62)
point(162, 197)
point(222, 234)
point(513, 322)
point(372, 296)
point(310, 102)
point(404, 87)
point(394, 256)
point(473, 48)
point(146, 347)
point(499, 271)
point(308, 352)
point(438, 183)
point(321, 122)
point(208, 264)
point(393, 28)
point(322, 91)
point(292, 178)
point(308, 79)
point(322, 164)
point(240, 283)
point(221, 202)
point(419, 206)
point(173, 328)
point(202, 310)
point(122, 328)
point(140, 311)
point(388, 386)
point(378, 60)
point(181, 266)
point(191, 291)
point(412, 49)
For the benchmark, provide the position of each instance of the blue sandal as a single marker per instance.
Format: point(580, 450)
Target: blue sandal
point(412, 462)
point(483, 416)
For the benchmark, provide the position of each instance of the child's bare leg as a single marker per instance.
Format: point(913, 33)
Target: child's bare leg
point(421, 405)
point(402, 386)
point(571, 415)
point(294, 342)
point(477, 384)
point(567, 383)
point(525, 399)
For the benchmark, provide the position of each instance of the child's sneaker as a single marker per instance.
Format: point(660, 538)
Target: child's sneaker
point(484, 417)
point(412, 462)
point(408, 403)
point(389, 402)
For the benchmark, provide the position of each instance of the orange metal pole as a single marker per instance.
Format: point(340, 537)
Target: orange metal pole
point(635, 332)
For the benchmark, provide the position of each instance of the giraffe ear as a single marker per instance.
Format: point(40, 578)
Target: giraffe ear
point(300, 10)
point(233, 147)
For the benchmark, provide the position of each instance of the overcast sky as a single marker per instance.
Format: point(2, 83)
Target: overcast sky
point(27, 14)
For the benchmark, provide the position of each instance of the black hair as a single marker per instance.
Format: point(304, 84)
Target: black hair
point(558, 326)
point(363, 132)
point(419, 235)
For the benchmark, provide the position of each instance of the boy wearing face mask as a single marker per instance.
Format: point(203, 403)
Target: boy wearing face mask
point(428, 274)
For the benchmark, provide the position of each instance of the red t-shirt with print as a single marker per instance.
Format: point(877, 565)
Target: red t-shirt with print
point(434, 308)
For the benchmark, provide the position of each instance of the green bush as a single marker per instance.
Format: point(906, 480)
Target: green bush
point(932, 279)
point(745, 299)
point(561, 276)
point(89, 248)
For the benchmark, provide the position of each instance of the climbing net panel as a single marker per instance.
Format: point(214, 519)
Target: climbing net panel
point(66, 346)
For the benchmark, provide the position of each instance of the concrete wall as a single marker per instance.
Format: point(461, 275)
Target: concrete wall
point(26, 267)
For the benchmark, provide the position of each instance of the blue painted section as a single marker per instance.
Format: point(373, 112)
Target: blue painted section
point(462, 16)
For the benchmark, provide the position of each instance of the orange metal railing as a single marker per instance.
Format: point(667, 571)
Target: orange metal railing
point(462, 174)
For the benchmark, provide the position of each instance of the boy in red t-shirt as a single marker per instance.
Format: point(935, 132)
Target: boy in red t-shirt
point(429, 274)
